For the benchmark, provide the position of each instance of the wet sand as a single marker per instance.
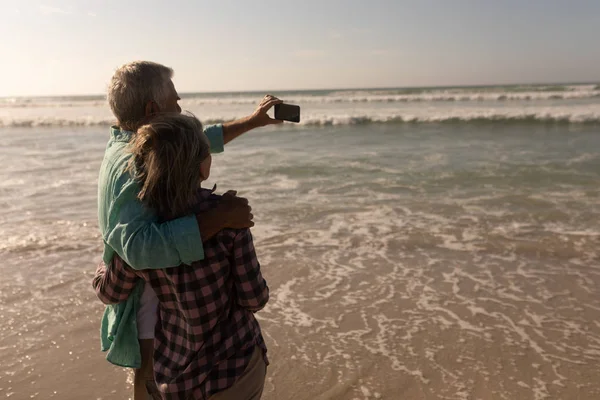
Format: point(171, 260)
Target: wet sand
point(416, 330)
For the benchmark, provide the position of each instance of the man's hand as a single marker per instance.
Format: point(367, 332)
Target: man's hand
point(260, 117)
point(236, 211)
point(232, 212)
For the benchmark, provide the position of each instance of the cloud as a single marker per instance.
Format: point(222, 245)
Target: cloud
point(308, 53)
point(92, 14)
point(44, 9)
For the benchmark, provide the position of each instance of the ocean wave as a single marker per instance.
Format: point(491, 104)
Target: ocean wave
point(358, 119)
point(490, 94)
point(54, 122)
point(456, 119)
point(46, 122)
point(421, 98)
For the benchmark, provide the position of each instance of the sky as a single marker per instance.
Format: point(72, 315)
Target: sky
point(66, 47)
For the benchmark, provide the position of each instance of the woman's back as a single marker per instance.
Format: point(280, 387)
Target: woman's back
point(206, 329)
point(206, 334)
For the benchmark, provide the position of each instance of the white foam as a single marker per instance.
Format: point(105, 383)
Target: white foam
point(341, 109)
point(283, 182)
point(489, 94)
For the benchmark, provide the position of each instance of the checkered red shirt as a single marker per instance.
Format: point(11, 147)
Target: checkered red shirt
point(206, 330)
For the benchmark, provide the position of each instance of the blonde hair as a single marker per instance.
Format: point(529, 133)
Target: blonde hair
point(167, 153)
point(132, 86)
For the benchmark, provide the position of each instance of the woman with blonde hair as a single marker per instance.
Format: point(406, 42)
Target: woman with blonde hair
point(207, 343)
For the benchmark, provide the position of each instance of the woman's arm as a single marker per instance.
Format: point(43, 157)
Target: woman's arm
point(251, 288)
point(114, 283)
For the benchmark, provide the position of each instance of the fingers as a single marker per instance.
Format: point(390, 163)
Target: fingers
point(267, 106)
point(269, 100)
point(237, 202)
point(274, 101)
point(265, 99)
point(269, 97)
point(272, 121)
point(260, 115)
point(231, 197)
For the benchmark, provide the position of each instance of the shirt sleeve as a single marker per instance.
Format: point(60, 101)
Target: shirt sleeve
point(134, 234)
point(114, 283)
point(251, 288)
point(214, 133)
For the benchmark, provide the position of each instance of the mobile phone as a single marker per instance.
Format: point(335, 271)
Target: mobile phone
point(287, 112)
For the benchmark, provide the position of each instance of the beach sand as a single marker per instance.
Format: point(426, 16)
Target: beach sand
point(425, 330)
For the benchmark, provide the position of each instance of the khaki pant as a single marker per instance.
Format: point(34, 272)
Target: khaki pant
point(250, 385)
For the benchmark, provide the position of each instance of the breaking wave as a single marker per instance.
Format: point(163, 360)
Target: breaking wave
point(456, 117)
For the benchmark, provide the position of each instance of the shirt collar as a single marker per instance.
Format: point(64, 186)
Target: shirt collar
point(120, 135)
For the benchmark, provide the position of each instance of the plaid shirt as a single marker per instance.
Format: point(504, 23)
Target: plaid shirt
point(206, 330)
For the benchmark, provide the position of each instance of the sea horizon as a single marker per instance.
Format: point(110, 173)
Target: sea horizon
point(93, 96)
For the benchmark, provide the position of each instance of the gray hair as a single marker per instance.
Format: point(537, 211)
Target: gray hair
point(132, 86)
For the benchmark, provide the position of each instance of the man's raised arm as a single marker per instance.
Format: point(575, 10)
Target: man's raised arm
point(259, 118)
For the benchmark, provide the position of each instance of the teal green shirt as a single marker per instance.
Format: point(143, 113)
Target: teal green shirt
point(132, 231)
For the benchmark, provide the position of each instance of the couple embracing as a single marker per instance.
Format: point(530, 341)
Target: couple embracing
point(179, 273)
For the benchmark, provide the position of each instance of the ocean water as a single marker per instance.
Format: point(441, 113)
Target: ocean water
point(436, 243)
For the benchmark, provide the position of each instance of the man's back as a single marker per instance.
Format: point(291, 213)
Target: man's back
point(130, 229)
point(112, 179)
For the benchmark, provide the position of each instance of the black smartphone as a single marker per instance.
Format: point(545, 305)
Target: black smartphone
point(287, 112)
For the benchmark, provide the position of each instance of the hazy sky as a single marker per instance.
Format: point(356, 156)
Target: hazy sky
point(73, 46)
